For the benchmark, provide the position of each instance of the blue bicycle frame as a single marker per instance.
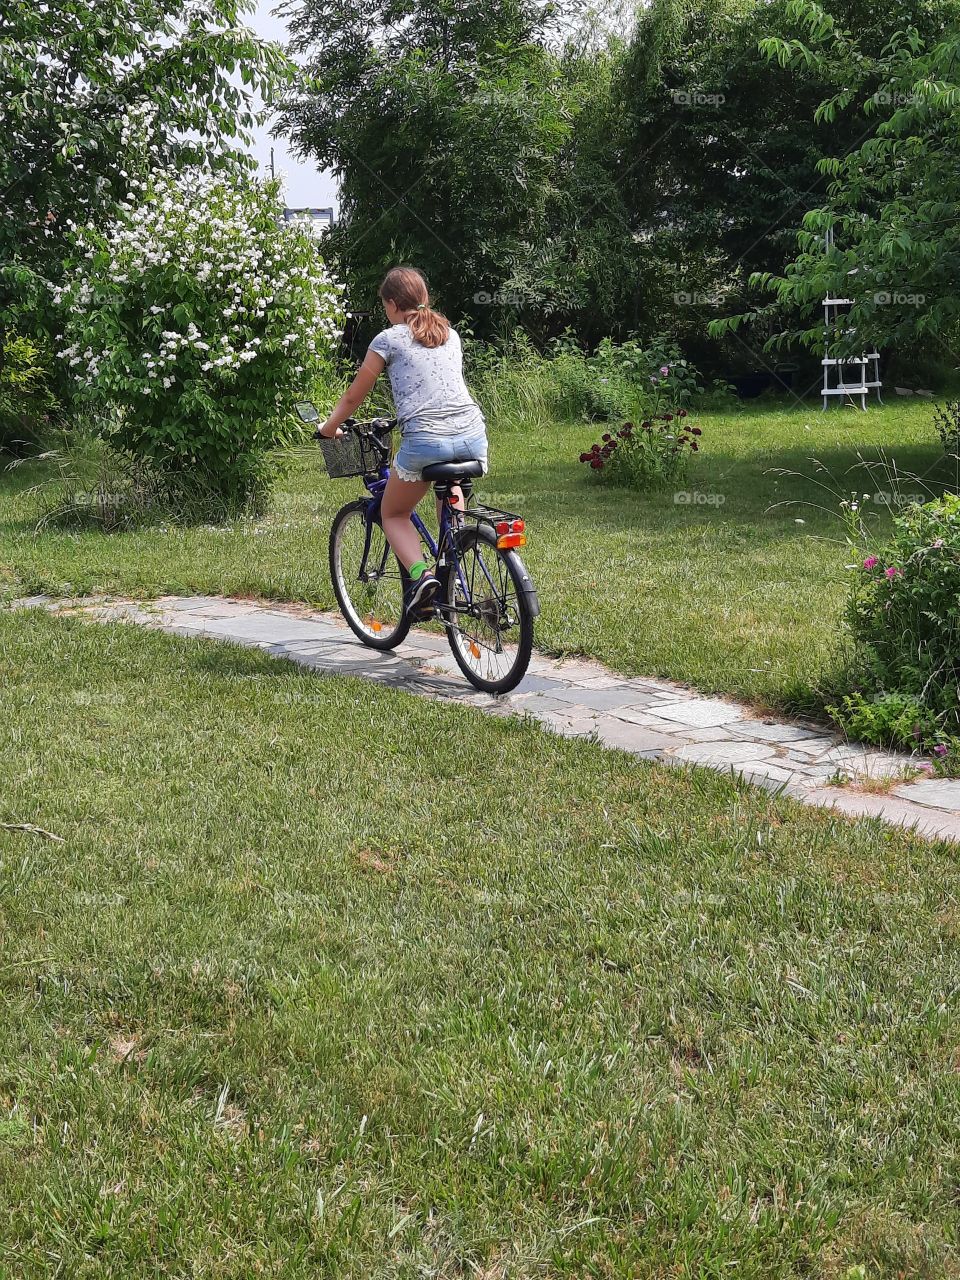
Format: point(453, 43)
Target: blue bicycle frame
point(375, 482)
point(376, 487)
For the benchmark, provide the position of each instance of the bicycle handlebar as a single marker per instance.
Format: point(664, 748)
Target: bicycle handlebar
point(374, 427)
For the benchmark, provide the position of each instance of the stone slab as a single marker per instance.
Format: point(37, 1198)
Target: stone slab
point(932, 793)
point(600, 699)
point(269, 628)
point(764, 731)
point(631, 737)
point(723, 753)
point(701, 713)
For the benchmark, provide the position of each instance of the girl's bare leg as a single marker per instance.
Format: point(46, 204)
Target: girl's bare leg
point(399, 500)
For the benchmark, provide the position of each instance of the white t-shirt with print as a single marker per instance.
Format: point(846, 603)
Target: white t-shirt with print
point(429, 392)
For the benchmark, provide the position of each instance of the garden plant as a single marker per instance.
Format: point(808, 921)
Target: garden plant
point(192, 324)
point(904, 618)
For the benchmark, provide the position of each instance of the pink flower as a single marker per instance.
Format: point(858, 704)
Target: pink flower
point(870, 562)
point(938, 543)
point(940, 750)
point(665, 370)
point(893, 571)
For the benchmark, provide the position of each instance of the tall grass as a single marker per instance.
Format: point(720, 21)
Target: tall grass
point(516, 385)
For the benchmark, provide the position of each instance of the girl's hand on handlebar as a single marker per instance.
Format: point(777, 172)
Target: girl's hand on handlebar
point(325, 432)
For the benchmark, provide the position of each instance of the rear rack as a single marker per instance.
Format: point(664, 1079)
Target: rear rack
point(489, 515)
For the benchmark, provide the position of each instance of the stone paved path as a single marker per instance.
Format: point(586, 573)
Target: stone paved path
point(653, 719)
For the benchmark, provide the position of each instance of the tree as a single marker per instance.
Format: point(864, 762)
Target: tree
point(97, 94)
point(443, 122)
point(893, 202)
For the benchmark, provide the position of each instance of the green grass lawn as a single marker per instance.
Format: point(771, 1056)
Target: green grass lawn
point(328, 981)
point(735, 597)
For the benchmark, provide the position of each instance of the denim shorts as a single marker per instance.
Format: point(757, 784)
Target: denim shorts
point(419, 449)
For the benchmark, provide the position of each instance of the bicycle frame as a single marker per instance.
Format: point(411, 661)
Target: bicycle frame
point(376, 486)
point(439, 549)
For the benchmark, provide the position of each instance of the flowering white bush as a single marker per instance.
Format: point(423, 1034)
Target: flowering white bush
point(197, 318)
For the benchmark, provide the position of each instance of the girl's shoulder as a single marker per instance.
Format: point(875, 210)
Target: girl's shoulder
point(390, 340)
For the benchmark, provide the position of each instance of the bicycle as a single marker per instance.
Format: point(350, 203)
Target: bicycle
point(486, 600)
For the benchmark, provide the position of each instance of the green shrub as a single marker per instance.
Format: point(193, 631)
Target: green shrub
point(193, 324)
point(653, 455)
point(26, 400)
point(517, 384)
point(946, 419)
point(87, 484)
point(904, 617)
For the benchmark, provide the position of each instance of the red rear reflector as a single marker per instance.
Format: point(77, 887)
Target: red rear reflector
point(512, 540)
point(503, 526)
point(517, 526)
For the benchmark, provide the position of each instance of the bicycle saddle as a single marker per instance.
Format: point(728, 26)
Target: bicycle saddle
point(453, 470)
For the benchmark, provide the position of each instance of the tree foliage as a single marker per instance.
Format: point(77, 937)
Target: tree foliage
point(893, 202)
point(444, 124)
point(97, 94)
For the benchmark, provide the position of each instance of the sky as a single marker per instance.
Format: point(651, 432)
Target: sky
point(307, 186)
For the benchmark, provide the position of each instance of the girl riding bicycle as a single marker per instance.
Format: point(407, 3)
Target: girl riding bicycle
point(439, 419)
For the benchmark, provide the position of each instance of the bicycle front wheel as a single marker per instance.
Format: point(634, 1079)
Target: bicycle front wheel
point(367, 579)
point(488, 612)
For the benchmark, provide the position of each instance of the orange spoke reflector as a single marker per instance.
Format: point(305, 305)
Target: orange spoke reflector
point(374, 624)
point(512, 540)
point(474, 648)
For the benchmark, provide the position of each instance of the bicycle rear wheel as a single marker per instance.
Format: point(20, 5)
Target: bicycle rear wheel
point(488, 612)
point(367, 578)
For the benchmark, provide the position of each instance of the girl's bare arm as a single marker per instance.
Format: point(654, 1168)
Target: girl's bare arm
point(355, 394)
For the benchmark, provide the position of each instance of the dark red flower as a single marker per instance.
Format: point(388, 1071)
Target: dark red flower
point(681, 413)
point(597, 464)
point(628, 426)
point(647, 424)
point(695, 431)
point(694, 446)
point(606, 436)
point(585, 457)
point(668, 417)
